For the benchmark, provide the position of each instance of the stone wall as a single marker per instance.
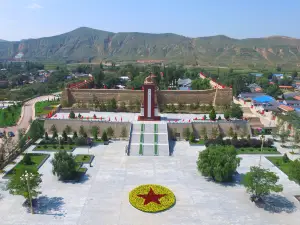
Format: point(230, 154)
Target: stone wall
point(223, 96)
point(75, 124)
point(238, 126)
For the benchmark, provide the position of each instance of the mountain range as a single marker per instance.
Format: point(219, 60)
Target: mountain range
point(91, 45)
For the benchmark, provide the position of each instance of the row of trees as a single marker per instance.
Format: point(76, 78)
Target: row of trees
point(94, 131)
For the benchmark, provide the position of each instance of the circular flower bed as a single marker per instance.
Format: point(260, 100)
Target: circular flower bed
point(152, 198)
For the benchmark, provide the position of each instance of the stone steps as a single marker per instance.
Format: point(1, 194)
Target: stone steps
point(149, 139)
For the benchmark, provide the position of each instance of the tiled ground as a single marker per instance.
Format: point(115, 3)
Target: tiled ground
point(102, 198)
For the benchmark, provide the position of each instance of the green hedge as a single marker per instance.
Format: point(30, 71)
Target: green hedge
point(250, 150)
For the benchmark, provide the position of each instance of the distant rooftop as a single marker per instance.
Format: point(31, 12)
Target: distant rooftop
point(263, 99)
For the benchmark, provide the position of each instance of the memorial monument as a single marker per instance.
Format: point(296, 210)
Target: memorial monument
point(149, 108)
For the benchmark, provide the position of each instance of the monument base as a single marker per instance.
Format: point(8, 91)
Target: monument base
point(143, 118)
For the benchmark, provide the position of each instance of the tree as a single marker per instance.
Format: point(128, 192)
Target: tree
point(65, 136)
point(81, 130)
point(64, 165)
point(186, 133)
point(27, 159)
point(46, 136)
point(122, 107)
point(75, 135)
point(104, 136)
point(260, 182)
point(53, 129)
point(72, 115)
point(203, 131)
point(212, 114)
point(55, 135)
point(218, 162)
point(236, 111)
point(98, 77)
point(215, 132)
point(110, 132)
point(296, 139)
point(36, 130)
point(192, 137)
point(124, 132)
point(230, 132)
point(283, 135)
point(95, 132)
point(278, 68)
point(294, 169)
point(227, 115)
point(25, 183)
point(68, 129)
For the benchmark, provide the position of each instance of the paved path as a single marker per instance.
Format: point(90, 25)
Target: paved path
point(27, 113)
point(102, 197)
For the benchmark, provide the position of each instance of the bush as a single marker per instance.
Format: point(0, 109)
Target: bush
point(285, 158)
point(192, 138)
point(81, 141)
point(104, 136)
point(240, 143)
point(54, 146)
point(61, 147)
point(27, 160)
point(72, 115)
point(69, 141)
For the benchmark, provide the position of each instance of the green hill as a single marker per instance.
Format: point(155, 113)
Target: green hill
point(90, 45)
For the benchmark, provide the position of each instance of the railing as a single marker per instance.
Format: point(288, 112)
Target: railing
point(129, 142)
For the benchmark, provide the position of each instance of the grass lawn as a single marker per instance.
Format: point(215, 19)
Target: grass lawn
point(43, 108)
point(10, 115)
point(200, 142)
point(36, 159)
point(283, 166)
point(83, 158)
point(54, 148)
point(98, 141)
point(250, 150)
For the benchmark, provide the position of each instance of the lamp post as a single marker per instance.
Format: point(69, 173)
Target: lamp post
point(262, 138)
point(26, 177)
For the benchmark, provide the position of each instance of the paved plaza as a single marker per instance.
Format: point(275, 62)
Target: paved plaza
point(102, 197)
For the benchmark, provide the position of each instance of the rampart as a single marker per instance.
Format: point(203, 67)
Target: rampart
point(223, 96)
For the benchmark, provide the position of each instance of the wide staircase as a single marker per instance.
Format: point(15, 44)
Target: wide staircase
point(149, 139)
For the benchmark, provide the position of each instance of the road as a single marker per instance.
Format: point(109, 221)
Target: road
point(27, 114)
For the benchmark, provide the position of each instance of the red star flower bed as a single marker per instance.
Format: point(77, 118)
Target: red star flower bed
point(152, 198)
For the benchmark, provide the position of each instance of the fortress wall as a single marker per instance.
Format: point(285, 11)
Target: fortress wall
point(185, 97)
point(75, 124)
point(87, 95)
point(223, 97)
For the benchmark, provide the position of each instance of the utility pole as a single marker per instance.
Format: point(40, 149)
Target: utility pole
point(26, 178)
point(262, 138)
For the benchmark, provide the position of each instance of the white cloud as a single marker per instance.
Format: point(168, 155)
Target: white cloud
point(34, 6)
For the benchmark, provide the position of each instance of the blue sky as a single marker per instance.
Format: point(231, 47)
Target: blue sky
point(22, 19)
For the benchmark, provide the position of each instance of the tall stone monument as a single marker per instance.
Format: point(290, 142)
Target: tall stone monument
point(149, 109)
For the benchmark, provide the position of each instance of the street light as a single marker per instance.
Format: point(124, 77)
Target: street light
point(26, 177)
point(262, 138)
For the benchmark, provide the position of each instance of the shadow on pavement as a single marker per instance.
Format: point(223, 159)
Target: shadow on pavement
point(276, 204)
point(49, 206)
